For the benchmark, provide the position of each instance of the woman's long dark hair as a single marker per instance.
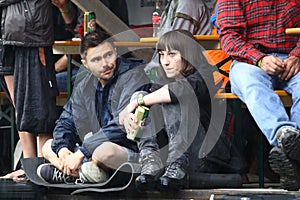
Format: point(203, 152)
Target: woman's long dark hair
point(191, 51)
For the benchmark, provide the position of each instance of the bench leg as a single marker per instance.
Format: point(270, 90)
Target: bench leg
point(261, 160)
point(238, 128)
point(69, 74)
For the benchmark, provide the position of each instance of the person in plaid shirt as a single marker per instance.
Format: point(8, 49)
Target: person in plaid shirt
point(264, 59)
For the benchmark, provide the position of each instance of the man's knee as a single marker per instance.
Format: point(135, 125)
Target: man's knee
point(107, 152)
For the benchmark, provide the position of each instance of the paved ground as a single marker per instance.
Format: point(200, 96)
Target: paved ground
point(10, 190)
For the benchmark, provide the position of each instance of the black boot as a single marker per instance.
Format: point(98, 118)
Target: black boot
point(152, 169)
point(288, 169)
point(174, 177)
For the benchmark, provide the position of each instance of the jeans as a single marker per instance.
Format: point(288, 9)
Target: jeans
point(256, 89)
point(181, 125)
point(62, 79)
point(132, 155)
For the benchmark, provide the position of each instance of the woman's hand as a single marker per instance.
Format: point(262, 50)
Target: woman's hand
point(127, 118)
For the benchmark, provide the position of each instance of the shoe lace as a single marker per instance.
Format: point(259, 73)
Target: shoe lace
point(173, 169)
point(148, 159)
point(59, 176)
point(81, 179)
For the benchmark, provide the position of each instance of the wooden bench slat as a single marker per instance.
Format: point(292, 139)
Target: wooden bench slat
point(229, 95)
point(284, 96)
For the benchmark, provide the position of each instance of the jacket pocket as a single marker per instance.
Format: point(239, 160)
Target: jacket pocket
point(18, 17)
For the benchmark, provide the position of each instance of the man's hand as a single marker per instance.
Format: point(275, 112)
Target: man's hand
point(62, 154)
point(72, 162)
point(272, 65)
point(292, 67)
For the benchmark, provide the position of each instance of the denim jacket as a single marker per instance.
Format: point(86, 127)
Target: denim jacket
point(80, 116)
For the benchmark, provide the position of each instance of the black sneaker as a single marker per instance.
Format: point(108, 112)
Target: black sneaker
point(152, 169)
point(288, 169)
point(289, 140)
point(174, 177)
point(50, 174)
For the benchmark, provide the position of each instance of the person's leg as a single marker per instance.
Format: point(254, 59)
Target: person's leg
point(176, 126)
point(9, 80)
point(28, 142)
point(49, 154)
point(255, 88)
point(151, 164)
point(290, 139)
point(52, 172)
point(62, 78)
point(106, 156)
point(293, 88)
point(180, 127)
point(109, 155)
point(42, 139)
point(34, 100)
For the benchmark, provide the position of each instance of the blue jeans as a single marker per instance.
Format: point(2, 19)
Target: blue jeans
point(62, 79)
point(256, 89)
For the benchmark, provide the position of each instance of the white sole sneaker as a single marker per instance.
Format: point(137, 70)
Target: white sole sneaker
point(93, 173)
point(38, 171)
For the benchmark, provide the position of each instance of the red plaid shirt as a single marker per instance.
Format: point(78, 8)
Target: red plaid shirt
point(250, 29)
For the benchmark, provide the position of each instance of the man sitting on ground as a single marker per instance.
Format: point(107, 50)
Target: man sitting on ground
point(98, 96)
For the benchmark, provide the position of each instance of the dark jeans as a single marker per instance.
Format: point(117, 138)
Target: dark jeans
point(180, 123)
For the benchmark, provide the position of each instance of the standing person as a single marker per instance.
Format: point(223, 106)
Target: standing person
point(65, 15)
point(73, 20)
point(30, 75)
point(186, 106)
point(192, 15)
point(98, 97)
point(265, 58)
point(119, 8)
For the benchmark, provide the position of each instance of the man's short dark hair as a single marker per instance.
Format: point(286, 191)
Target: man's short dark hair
point(93, 39)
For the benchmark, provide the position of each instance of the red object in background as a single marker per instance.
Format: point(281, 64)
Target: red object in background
point(81, 29)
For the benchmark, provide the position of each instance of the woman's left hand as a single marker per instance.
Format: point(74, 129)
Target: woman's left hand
point(127, 118)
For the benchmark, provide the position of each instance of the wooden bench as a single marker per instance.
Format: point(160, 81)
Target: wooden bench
point(62, 98)
point(284, 96)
